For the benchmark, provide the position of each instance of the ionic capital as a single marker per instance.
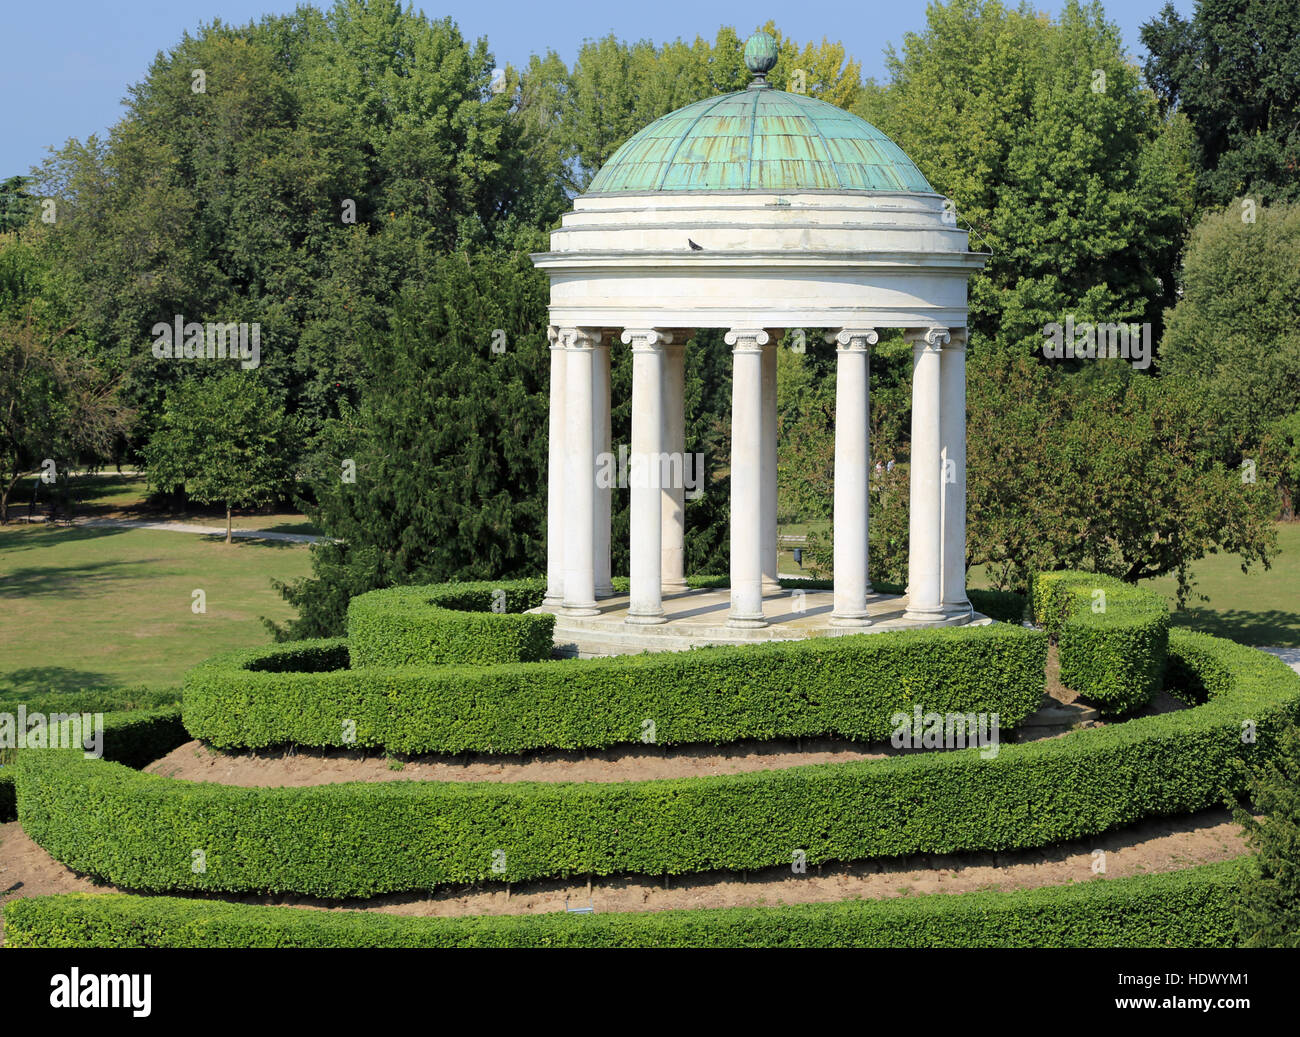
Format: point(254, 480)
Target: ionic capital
point(646, 339)
point(928, 338)
point(747, 340)
point(847, 339)
point(580, 338)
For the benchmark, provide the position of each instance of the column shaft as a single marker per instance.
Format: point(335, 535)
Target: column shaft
point(646, 604)
point(771, 585)
point(673, 500)
point(925, 537)
point(953, 425)
point(746, 477)
point(580, 474)
point(603, 447)
point(852, 475)
point(555, 475)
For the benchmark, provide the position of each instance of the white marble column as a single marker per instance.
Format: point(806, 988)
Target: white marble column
point(600, 407)
point(953, 435)
point(852, 473)
point(673, 500)
point(746, 476)
point(555, 474)
point(771, 585)
point(646, 604)
point(925, 525)
point(580, 472)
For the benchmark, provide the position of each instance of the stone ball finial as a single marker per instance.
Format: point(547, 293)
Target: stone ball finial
point(760, 53)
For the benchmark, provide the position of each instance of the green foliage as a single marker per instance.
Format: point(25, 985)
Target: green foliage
point(1112, 637)
point(1233, 340)
point(237, 202)
point(1121, 476)
point(447, 624)
point(847, 686)
point(369, 838)
point(1234, 71)
point(1268, 899)
point(449, 468)
point(131, 737)
point(225, 440)
point(1175, 909)
point(1076, 185)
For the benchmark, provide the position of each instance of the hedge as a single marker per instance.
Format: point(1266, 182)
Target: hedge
point(847, 686)
point(1190, 908)
point(448, 623)
point(362, 839)
point(1115, 657)
point(87, 701)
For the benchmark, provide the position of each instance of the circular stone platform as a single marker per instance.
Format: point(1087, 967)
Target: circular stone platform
point(699, 617)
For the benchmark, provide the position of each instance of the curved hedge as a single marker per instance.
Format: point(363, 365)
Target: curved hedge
point(1190, 908)
point(1114, 657)
point(362, 839)
point(85, 701)
point(448, 623)
point(846, 686)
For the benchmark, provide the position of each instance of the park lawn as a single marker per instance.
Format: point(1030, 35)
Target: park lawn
point(93, 607)
point(1256, 608)
point(126, 495)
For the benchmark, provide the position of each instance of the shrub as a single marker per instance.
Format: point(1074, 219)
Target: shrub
point(96, 700)
point(1114, 657)
point(364, 839)
point(847, 686)
point(1268, 901)
point(476, 623)
point(1176, 909)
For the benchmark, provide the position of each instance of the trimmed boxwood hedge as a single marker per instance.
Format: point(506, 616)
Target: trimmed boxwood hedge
point(1114, 658)
point(845, 686)
point(88, 701)
point(448, 623)
point(1190, 908)
point(362, 839)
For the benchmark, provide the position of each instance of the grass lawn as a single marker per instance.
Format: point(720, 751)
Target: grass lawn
point(83, 608)
point(1261, 608)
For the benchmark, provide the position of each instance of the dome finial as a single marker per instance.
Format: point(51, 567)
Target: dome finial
point(760, 56)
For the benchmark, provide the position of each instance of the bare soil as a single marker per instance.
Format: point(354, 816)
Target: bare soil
point(1153, 846)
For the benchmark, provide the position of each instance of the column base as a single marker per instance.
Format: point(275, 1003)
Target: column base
point(553, 601)
point(606, 591)
point(582, 608)
point(771, 586)
point(853, 620)
point(953, 609)
point(674, 587)
point(746, 622)
point(931, 615)
point(646, 620)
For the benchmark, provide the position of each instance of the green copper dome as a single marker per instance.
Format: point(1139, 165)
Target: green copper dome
point(759, 139)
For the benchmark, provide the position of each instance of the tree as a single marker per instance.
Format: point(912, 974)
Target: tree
point(58, 408)
point(225, 440)
point(1234, 71)
point(1268, 901)
point(1234, 337)
point(440, 474)
point(1117, 476)
point(1054, 154)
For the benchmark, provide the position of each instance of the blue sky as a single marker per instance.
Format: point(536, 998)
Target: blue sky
point(68, 62)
